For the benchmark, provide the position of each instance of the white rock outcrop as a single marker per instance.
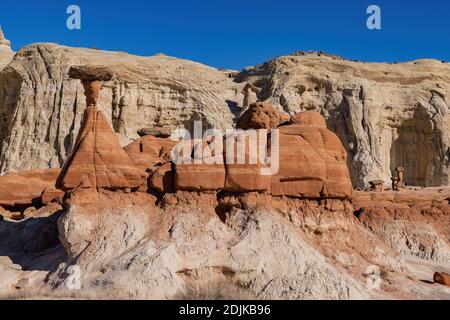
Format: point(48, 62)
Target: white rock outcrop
point(386, 115)
point(41, 108)
point(257, 249)
point(6, 53)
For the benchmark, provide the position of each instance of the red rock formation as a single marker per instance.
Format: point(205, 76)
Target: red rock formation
point(97, 160)
point(152, 154)
point(51, 194)
point(309, 118)
point(312, 163)
point(24, 188)
point(149, 151)
point(442, 278)
point(261, 115)
point(203, 176)
point(162, 178)
point(312, 160)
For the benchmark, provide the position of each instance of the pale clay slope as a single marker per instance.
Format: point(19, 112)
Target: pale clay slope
point(385, 114)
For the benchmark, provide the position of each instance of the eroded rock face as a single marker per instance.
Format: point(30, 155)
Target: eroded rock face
point(386, 115)
point(413, 222)
point(147, 92)
point(98, 161)
point(167, 246)
point(6, 54)
point(311, 162)
point(197, 174)
point(149, 151)
point(442, 278)
point(261, 115)
point(248, 175)
point(22, 189)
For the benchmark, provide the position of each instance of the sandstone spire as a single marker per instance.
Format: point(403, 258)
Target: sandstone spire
point(97, 160)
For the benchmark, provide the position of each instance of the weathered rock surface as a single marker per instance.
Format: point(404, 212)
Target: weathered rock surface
point(413, 222)
point(274, 247)
point(157, 91)
point(147, 238)
point(26, 187)
point(6, 53)
point(98, 161)
point(312, 160)
point(199, 170)
point(442, 278)
point(244, 172)
point(386, 115)
point(261, 115)
point(149, 151)
point(51, 195)
point(131, 245)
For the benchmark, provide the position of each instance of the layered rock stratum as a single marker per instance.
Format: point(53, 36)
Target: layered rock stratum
point(6, 53)
point(157, 91)
point(386, 115)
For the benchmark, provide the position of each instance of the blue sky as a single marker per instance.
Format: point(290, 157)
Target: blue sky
point(237, 33)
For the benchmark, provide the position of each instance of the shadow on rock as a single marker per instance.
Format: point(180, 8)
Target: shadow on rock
point(33, 243)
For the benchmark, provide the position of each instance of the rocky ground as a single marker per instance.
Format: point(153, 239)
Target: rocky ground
point(261, 246)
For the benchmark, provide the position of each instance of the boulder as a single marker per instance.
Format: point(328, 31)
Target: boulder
point(311, 164)
point(162, 179)
point(156, 132)
point(312, 160)
point(309, 118)
point(150, 151)
point(51, 194)
point(442, 278)
point(26, 187)
point(261, 115)
point(200, 173)
point(244, 175)
point(90, 73)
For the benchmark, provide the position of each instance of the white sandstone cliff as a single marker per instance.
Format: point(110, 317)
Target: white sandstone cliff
point(386, 115)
